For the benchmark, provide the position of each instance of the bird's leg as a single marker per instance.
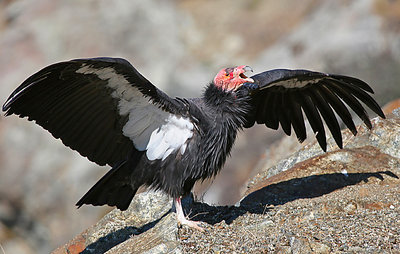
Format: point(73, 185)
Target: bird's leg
point(182, 218)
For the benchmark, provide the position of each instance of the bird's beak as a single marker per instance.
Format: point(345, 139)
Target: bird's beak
point(248, 68)
point(243, 76)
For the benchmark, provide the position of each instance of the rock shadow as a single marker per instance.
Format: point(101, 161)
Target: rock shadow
point(279, 194)
point(112, 239)
point(256, 202)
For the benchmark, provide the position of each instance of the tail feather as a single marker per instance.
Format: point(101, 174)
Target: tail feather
point(113, 189)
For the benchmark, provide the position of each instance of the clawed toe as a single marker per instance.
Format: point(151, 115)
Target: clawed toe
point(190, 223)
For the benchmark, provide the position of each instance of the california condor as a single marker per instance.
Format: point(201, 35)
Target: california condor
point(108, 112)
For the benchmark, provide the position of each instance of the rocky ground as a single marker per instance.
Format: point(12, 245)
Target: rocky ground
point(342, 201)
point(179, 46)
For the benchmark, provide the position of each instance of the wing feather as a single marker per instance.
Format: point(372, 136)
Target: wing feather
point(338, 106)
point(296, 116)
point(282, 95)
point(350, 80)
point(353, 103)
point(314, 118)
point(270, 109)
point(282, 114)
point(328, 115)
point(363, 96)
point(265, 109)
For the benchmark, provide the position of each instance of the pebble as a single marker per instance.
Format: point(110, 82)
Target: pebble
point(351, 207)
point(267, 223)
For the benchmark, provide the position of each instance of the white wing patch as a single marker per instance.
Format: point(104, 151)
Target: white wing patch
point(295, 83)
point(170, 137)
point(149, 127)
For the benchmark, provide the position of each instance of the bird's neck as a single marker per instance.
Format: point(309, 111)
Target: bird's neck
point(225, 113)
point(229, 108)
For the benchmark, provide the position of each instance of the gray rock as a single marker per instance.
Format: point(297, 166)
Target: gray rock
point(122, 230)
point(316, 208)
point(299, 246)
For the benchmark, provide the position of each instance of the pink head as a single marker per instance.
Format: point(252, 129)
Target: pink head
point(232, 78)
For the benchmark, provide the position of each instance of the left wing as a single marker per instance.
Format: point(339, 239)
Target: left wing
point(279, 97)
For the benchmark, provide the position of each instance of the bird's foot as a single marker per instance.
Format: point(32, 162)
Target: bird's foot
point(182, 218)
point(193, 224)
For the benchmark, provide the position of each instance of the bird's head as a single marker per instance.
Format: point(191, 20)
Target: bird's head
point(232, 78)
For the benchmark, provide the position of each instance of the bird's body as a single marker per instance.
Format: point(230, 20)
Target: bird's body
point(107, 111)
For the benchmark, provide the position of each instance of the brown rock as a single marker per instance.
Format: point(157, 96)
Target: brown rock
point(390, 106)
point(75, 246)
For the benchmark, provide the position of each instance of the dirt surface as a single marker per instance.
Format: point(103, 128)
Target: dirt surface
point(361, 218)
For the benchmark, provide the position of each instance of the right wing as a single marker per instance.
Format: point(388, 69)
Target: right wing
point(101, 107)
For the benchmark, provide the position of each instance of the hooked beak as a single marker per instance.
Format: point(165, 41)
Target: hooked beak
point(243, 76)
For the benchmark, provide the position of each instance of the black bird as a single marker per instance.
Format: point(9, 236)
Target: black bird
point(108, 112)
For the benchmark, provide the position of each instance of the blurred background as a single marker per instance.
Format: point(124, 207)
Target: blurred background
point(179, 46)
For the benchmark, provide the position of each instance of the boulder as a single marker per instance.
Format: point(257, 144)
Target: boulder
point(345, 200)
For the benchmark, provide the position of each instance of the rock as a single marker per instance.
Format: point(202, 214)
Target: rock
point(312, 206)
point(159, 239)
point(373, 152)
point(121, 231)
point(390, 106)
point(319, 248)
point(350, 208)
point(299, 246)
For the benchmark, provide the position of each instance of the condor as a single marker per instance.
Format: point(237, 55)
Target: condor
point(108, 112)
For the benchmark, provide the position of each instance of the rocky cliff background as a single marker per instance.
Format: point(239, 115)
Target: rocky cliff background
point(179, 46)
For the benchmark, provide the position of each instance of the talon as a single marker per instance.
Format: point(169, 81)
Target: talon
point(190, 223)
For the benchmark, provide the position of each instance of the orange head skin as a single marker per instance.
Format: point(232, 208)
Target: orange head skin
point(232, 78)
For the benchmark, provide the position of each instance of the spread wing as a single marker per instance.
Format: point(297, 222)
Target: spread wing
point(280, 97)
point(101, 107)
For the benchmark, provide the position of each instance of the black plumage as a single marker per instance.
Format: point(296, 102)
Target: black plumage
point(317, 94)
point(108, 112)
